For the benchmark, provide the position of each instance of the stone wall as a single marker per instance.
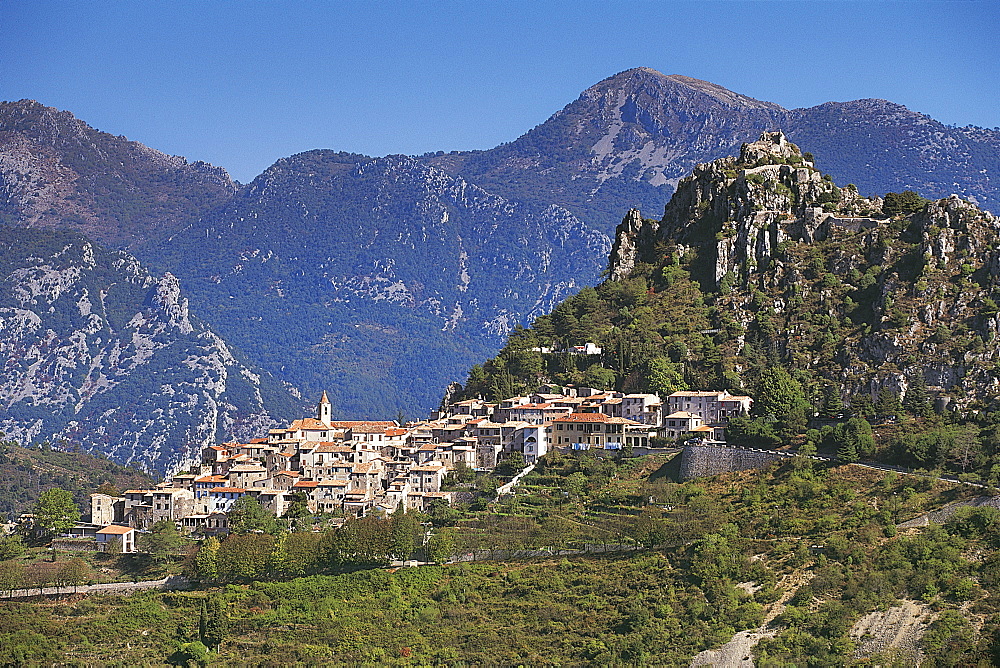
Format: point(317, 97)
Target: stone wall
point(706, 460)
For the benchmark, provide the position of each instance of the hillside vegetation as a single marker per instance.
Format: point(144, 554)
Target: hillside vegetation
point(27, 472)
point(765, 277)
point(805, 550)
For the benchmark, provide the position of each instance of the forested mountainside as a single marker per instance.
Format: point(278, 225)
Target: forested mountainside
point(57, 171)
point(27, 472)
point(627, 141)
point(100, 355)
point(379, 280)
point(761, 262)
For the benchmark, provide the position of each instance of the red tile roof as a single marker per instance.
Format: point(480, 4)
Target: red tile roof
point(115, 530)
point(593, 417)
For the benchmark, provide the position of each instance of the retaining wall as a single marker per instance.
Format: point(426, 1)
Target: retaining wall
point(707, 460)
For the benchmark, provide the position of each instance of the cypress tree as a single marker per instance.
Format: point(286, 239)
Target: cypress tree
point(216, 623)
point(203, 622)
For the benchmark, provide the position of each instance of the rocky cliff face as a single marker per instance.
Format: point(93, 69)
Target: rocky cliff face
point(828, 282)
point(101, 355)
point(386, 274)
point(57, 171)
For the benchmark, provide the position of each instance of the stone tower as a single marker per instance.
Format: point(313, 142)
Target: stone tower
point(324, 409)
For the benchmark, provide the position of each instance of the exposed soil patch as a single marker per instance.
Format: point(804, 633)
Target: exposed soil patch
point(896, 632)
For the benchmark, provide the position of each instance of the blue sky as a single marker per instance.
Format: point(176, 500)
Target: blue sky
point(241, 84)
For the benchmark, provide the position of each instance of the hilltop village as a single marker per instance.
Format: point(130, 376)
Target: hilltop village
point(353, 468)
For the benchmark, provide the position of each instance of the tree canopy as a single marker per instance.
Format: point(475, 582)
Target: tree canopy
point(55, 511)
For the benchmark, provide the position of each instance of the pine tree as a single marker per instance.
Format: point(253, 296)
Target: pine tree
point(833, 404)
point(887, 403)
point(916, 401)
point(848, 451)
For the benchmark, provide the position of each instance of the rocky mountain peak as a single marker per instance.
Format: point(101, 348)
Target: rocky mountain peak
point(650, 85)
point(871, 293)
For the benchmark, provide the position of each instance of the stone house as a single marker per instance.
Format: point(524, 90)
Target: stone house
point(712, 407)
point(171, 503)
point(642, 408)
point(679, 424)
point(245, 475)
point(330, 495)
point(427, 478)
point(105, 509)
point(538, 413)
point(590, 429)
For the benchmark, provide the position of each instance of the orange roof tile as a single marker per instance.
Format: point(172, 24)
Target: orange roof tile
point(593, 417)
point(115, 530)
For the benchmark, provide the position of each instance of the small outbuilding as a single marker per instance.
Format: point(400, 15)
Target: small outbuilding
point(114, 532)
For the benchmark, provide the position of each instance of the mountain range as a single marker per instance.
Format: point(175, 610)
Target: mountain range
point(382, 279)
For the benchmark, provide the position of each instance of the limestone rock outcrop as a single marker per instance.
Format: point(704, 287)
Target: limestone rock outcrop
point(828, 282)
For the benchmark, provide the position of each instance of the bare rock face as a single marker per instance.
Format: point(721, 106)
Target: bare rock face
point(745, 207)
point(100, 355)
point(631, 234)
point(166, 297)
